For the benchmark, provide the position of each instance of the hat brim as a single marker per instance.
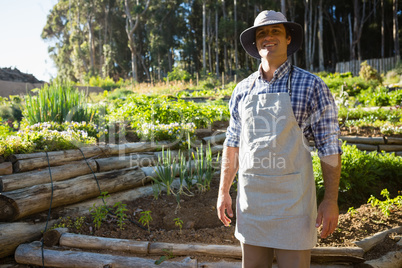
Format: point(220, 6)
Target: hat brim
point(247, 38)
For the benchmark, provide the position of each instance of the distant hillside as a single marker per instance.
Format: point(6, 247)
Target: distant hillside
point(15, 75)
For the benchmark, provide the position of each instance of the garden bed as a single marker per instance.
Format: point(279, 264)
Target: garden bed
point(199, 222)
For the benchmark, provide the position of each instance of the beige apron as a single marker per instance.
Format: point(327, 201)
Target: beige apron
point(276, 199)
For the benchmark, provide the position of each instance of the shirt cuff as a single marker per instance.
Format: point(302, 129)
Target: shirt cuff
point(333, 147)
point(231, 142)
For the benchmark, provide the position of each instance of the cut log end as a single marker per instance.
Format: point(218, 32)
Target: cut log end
point(8, 209)
point(52, 237)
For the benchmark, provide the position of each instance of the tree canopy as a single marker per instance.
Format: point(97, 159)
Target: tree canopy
point(145, 39)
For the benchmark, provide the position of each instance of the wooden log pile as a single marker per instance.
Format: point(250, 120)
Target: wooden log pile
point(73, 182)
point(72, 249)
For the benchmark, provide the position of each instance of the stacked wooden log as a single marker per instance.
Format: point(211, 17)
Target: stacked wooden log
point(73, 250)
point(379, 144)
point(71, 181)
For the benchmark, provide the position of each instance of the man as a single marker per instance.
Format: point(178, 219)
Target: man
point(273, 112)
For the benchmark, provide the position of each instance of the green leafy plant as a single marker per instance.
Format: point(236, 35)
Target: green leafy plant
point(120, 211)
point(79, 221)
point(49, 136)
point(166, 171)
point(168, 255)
point(99, 213)
point(388, 205)
point(203, 167)
point(146, 219)
point(352, 211)
point(178, 222)
point(57, 102)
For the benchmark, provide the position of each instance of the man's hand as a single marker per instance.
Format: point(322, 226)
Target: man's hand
point(230, 165)
point(328, 213)
point(223, 205)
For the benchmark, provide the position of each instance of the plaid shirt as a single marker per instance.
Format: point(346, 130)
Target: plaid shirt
point(312, 102)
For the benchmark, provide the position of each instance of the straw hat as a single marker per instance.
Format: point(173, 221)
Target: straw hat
point(270, 17)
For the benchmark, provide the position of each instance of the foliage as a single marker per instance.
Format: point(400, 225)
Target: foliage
point(146, 218)
point(57, 102)
point(388, 205)
point(174, 132)
point(203, 167)
point(166, 171)
point(106, 83)
point(362, 174)
point(168, 255)
point(367, 72)
point(50, 137)
point(6, 128)
point(99, 212)
point(68, 222)
point(178, 74)
point(178, 222)
point(120, 212)
point(141, 109)
point(352, 85)
point(381, 96)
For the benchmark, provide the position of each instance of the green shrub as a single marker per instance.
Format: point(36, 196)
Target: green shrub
point(362, 175)
point(178, 74)
point(367, 72)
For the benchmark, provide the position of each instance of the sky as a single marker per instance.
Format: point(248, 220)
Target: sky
point(21, 47)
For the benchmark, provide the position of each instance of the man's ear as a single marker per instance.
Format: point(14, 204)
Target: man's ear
point(289, 40)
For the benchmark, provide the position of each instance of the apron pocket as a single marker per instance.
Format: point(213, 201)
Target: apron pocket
point(263, 195)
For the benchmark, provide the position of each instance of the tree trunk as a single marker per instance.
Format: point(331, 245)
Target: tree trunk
point(158, 248)
point(32, 254)
point(320, 38)
point(307, 36)
point(217, 43)
point(396, 29)
point(204, 36)
point(20, 203)
point(52, 237)
point(382, 30)
point(36, 177)
point(14, 234)
point(236, 37)
point(55, 158)
point(283, 7)
point(225, 48)
point(369, 242)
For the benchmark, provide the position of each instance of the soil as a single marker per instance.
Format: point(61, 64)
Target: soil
point(200, 223)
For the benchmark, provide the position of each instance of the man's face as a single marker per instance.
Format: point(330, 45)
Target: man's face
point(271, 41)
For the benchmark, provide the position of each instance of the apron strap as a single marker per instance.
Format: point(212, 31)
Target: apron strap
point(288, 82)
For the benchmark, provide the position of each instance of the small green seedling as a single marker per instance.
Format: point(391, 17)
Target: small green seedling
point(352, 211)
point(120, 214)
point(146, 218)
point(168, 255)
point(179, 223)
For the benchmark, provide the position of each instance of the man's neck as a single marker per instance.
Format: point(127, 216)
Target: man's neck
point(269, 67)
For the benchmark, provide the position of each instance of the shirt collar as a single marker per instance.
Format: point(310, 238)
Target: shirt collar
point(279, 73)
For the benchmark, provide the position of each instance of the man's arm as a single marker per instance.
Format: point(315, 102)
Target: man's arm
point(230, 165)
point(328, 211)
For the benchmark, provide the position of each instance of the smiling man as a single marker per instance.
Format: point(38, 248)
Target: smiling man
point(273, 113)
